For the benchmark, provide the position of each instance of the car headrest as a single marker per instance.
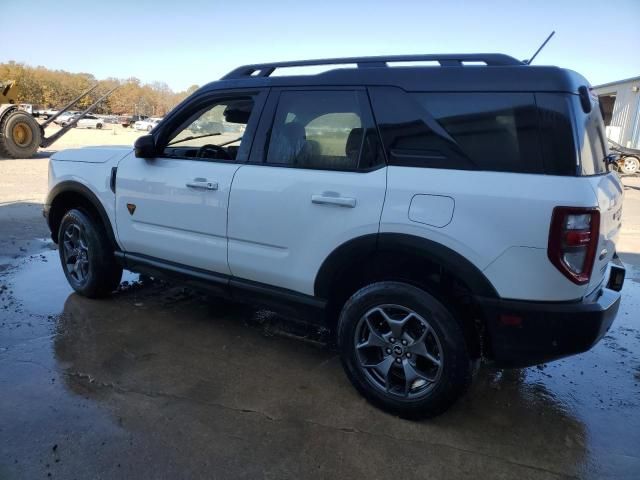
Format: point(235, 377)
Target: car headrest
point(354, 142)
point(288, 144)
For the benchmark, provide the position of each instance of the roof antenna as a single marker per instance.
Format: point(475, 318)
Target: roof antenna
point(528, 62)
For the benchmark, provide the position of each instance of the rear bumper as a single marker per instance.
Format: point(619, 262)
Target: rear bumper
point(529, 333)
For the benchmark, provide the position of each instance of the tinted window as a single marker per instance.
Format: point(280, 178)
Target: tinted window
point(484, 131)
point(324, 130)
point(591, 139)
point(556, 133)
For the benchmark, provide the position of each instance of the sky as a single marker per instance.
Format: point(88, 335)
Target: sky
point(194, 42)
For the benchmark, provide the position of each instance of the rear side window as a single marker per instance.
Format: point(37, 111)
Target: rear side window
point(324, 129)
point(479, 131)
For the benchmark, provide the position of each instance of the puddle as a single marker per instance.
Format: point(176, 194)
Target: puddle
point(39, 285)
point(129, 365)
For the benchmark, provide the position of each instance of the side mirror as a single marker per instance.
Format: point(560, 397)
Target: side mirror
point(145, 147)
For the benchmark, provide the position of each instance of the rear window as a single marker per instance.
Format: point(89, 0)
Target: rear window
point(591, 139)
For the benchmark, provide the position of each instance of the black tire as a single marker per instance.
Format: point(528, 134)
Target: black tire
point(421, 398)
point(20, 135)
point(98, 126)
point(96, 273)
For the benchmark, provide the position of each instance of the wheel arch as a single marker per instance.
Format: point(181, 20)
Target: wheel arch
point(374, 247)
point(71, 194)
point(417, 261)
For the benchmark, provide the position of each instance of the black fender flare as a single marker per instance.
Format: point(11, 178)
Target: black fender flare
point(361, 248)
point(70, 186)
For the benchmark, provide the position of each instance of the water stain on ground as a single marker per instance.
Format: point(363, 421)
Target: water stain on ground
point(161, 381)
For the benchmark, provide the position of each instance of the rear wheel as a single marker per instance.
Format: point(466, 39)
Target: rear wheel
point(20, 135)
point(98, 126)
point(630, 165)
point(87, 255)
point(403, 350)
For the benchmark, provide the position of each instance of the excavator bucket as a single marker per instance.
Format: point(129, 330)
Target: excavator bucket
point(8, 92)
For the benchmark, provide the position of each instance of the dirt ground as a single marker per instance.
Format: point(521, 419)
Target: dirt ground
point(162, 382)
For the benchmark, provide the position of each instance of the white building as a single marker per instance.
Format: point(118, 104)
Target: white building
point(621, 107)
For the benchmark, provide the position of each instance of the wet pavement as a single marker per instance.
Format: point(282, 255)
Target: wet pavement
point(161, 382)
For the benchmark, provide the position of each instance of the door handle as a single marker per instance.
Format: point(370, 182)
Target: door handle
point(334, 200)
point(204, 185)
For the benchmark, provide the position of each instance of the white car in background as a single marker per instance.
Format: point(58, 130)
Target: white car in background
point(91, 121)
point(65, 118)
point(146, 125)
point(88, 121)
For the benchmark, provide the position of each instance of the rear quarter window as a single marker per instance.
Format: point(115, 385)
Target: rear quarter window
point(479, 131)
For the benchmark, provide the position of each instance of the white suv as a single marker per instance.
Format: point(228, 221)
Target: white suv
point(431, 216)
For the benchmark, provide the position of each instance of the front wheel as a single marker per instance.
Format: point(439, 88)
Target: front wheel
point(403, 350)
point(87, 255)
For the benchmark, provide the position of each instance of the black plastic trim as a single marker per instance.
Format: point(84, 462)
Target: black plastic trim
point(134, 260)
point(112, 179)
point(288, 302)
point(351, 252)
point(362, 247)
point(444, 256)
point(528, 333)
point(445, 59)
point(76, 187)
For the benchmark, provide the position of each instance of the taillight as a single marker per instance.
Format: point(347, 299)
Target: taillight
point(573, 239)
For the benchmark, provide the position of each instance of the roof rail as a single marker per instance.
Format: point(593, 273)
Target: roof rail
point(445, 60)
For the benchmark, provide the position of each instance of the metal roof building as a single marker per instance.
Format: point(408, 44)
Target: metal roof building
point(621, 107)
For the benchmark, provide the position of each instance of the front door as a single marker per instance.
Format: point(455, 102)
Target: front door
point(174, 207)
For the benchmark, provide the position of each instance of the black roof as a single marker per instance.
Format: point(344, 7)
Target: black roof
point(491, 72)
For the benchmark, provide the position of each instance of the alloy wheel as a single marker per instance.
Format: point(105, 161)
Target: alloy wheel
point(398, 351)
point(76, 253)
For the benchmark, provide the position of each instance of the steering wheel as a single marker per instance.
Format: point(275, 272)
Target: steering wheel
point(220, 152)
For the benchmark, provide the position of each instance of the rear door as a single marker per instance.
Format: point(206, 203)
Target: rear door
point(315, 180)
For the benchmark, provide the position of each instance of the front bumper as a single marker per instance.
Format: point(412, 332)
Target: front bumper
point(528, 333)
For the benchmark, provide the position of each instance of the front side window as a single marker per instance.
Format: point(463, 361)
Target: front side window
point(213, 132)
point(330, 130)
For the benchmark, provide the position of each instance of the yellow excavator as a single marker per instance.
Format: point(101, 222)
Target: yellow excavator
point(20, 133)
